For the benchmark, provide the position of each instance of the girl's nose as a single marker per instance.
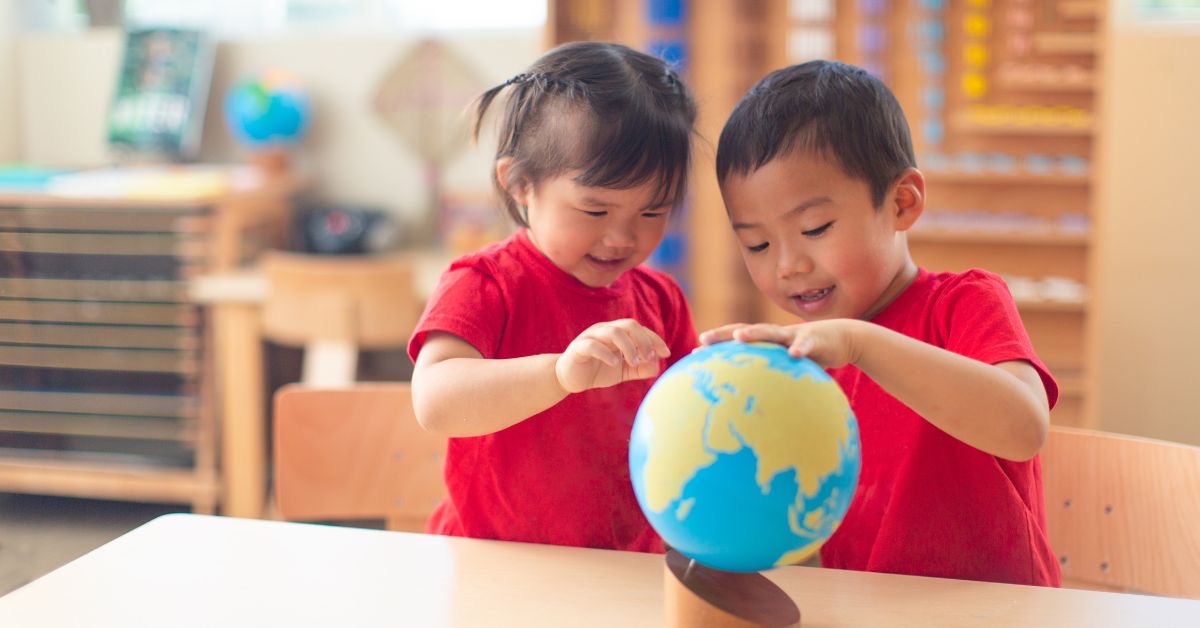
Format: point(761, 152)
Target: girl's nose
point(620, 236)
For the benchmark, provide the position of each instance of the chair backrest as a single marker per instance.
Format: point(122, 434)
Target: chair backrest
point(1124, 512)
point(355, 453)
point(369, 302)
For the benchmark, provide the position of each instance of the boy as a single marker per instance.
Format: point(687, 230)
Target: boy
point(820, 183)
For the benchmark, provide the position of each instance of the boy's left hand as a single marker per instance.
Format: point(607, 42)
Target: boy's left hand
point(830, 343)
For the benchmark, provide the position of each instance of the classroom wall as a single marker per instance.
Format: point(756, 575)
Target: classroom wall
point(1146, 337)
point(9, 147)
point(67, 81)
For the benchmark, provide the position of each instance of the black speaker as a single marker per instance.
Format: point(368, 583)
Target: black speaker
point(340, 230)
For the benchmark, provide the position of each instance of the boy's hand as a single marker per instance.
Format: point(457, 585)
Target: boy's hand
point(830, 343)
point(609, 353)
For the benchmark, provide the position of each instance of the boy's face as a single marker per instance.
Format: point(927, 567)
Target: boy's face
point(813, 241)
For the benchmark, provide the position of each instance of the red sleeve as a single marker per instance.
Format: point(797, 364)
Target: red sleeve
point(978, 318)
point(467, 303)
point(683, 337)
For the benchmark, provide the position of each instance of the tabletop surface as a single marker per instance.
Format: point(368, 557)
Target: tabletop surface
point(193, 570)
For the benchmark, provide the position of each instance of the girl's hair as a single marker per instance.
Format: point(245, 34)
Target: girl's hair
point(616, 116)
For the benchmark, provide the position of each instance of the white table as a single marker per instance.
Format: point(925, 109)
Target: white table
point(195, 570)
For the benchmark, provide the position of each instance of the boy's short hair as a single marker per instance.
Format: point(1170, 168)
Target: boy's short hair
point(823, 107)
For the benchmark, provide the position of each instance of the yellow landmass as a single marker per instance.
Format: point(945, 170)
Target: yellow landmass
point(788, 422)
point(676, 447)
point(799, 555)
point(793, 423)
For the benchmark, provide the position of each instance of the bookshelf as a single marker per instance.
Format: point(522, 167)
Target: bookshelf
point(1000, 96)
point(106, 379)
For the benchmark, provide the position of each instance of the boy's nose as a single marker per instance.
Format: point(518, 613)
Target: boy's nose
point(793, 263)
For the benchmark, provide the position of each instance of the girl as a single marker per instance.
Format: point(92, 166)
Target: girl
point(533, 354)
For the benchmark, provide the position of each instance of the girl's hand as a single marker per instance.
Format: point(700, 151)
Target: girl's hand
point(609, 353)
point(830, 343)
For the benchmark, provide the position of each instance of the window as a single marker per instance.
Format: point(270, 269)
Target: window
point(232, 18)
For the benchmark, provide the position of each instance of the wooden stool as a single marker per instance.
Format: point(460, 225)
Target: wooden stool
point(355, 453)
point(335, 306)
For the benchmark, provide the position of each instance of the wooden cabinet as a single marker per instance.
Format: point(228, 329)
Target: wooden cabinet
point(105, 374)
point(1000, 99)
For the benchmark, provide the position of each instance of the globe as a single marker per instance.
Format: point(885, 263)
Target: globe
point(267, 111)
point(744, 458)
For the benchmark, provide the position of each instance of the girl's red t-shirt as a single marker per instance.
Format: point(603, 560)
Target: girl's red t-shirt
point(562, 476)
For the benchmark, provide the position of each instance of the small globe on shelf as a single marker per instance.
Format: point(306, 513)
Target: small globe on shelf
point(744, 458)
point(268, 114)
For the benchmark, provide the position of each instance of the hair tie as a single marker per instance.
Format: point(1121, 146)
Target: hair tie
point(518, 79)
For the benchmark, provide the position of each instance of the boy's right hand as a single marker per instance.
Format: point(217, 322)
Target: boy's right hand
point(609, 353)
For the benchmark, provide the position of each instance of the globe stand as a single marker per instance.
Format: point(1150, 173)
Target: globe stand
point(271, 162)
point(696, 595)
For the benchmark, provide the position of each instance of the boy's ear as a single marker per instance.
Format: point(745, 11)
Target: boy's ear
point(518, 189)
point(909, 198)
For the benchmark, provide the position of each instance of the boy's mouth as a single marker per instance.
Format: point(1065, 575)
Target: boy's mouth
point(810, 300)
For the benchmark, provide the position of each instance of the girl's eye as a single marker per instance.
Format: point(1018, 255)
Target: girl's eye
point(812, 233)
point(654, 214)
point(594, 214)
point(757, 247)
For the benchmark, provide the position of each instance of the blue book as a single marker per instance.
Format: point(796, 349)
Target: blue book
point(26, 178)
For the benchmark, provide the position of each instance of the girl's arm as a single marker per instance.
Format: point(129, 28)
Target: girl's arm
point(1001, 409)
point(457, 392)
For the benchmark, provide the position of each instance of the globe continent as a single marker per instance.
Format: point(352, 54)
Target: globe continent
point(745, 458)
point(265, 111)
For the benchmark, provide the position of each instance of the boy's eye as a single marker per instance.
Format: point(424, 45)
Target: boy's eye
point(654, 214)
point(594, 214)
point(812, 233)
point(757, 247)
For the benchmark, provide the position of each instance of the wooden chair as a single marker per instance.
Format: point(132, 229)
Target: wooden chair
point(335, 306)
point(355, 453)
point(1123, 512)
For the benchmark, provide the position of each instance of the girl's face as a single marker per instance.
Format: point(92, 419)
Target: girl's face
point(595, 234)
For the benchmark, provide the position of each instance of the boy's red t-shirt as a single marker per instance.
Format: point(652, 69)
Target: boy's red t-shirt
point(928, 504)
point(561, 476)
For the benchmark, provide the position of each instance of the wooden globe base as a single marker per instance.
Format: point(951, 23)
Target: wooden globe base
point(696, 595)
point(272, 162)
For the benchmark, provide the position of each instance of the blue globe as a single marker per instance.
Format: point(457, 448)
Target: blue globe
point(267, 111)
point(744, 458)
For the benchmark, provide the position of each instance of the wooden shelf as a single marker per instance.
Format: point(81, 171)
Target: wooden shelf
point(998, 178)
point(1065, 43)
point(99, 403)
point(107, 481)
point(1018, 238)
point(967, 126)
point(1043, 305)
point(110, 336)
point(1033, 85)
point(1079, 9)
point(97, 425)
point(182, 363)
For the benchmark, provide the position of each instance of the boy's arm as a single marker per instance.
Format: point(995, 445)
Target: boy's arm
point(501, 393)
point(1001, 409)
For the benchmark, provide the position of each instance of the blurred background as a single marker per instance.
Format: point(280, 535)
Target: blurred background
point(186, 187)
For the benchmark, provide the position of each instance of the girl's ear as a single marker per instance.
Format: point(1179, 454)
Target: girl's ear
point(908, 198)
point(519, 190)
